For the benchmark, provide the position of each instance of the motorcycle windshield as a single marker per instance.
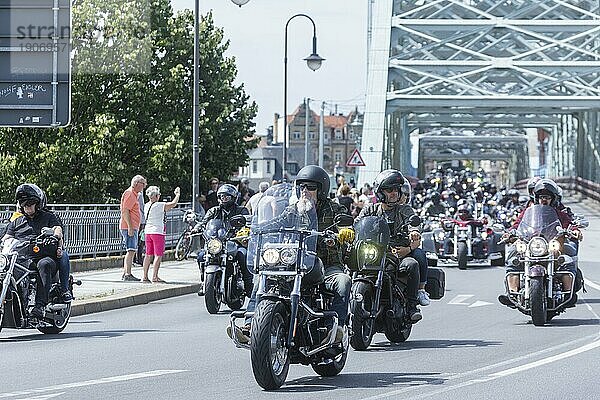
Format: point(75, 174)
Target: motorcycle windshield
point(215, 228)
point(539, 220)
point(372, 229)
point(285, 220)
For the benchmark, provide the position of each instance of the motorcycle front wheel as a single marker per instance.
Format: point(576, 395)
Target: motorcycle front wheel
point(362, 328)
point(183, 246)
point(461, 253)
point(537, 298)
point(212, 297)
point(58, 327)
point(268, 349)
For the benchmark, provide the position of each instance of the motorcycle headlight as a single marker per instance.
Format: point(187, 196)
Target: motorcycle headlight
point(554, 245)
point(441, 236)
point(271, 257)
point(538, 246)
point(370, 252)
point(484, 235)
point(288, 256)
point(214, 246)
point(3, 263)
point(521, 246)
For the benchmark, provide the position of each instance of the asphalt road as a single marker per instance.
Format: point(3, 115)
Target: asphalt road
point(467, 346)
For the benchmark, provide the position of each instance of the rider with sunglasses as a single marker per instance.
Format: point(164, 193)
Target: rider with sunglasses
point(227, 196)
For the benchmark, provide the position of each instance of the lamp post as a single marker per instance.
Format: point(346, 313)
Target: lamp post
point(313, 62)
point(196, 106)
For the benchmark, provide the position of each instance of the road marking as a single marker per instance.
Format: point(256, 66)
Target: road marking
point(43, 397)
point(480, 303)
point(460, 298)
point(111, 379)
point(592, 284)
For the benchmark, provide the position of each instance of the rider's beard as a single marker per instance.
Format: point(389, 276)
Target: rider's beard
point(304, 205)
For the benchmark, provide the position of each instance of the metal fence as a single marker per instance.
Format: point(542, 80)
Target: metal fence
point(92, 230)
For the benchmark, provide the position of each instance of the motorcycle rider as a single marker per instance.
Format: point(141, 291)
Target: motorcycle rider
point(227, 196)
point(545, 192)
point(388, 187)
point(31, 201)
point(434, 206)
point(513, 199)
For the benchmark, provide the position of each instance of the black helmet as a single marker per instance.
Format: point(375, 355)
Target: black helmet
point(388, 179)
point(317, 175)
point(546, 187)
point(229, 190)
point(531, 185)
point(435, 197)
point(29, 192)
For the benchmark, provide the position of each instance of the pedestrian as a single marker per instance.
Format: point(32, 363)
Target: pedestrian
point(245, 192)
point(130, 223)
point(156, 229)
point(138, 259)
point(253, 202)
point(211, 195)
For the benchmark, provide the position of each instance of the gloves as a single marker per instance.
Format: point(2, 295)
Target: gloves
point(50, 241)
point(245, 231)
point(346, 235)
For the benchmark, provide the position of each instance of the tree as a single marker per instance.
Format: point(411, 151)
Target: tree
point(132, 106)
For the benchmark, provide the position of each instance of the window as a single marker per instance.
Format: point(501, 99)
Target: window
point(338, 134)
point(254, 167)
point(297, 135)
point(338, 155)
point(268, 167)
point(326, 137)
point(311, 135)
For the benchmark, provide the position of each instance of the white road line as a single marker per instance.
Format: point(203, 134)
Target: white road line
point(480, 303)
point(120, 378)
point(44, 396)
point(592, 284)
point(460, 298)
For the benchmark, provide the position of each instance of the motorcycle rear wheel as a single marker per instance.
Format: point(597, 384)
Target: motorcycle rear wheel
point(212, 298)
point(398, 334)
point(183, 246)
point(58, 328)
point(362, 332)
point(537, 298)
point(337, 364)
point(268, 350)
point(461, 253)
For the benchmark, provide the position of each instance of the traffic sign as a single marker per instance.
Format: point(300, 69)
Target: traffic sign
point(35, 63)
point(355, 160)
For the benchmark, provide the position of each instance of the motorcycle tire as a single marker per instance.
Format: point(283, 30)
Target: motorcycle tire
point(461, 255)
point(268, 349)
point(58, 328)
point(212, 297)
point(398, 333)
point(362, 328)
point(337, 363)
point(1, 319)
point(182, 250)
point(537, 299)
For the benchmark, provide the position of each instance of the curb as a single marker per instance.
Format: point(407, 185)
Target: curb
point(113, 302)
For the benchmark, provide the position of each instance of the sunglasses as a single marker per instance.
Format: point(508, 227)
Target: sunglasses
point(311, 187)
point(224, 197)
point(28, 203)
point(545, 197)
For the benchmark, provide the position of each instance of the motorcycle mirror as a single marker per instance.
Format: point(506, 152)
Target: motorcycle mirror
point(415, 220)
point(238, 221)
point(343, 220)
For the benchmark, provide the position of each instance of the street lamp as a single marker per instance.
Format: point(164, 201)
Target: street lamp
point(196, 106)
point(313, 62)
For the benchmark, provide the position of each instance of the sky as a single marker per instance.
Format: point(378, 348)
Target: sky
point(256, 33)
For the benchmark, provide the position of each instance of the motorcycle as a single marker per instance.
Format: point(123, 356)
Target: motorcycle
point(19, 277)
point(377, 303)
point(539, 242)
point(293, 322)
point(184, 243)
point(223, 282)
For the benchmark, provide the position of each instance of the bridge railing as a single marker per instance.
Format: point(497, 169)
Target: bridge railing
point(92, 230)
point(573, 183)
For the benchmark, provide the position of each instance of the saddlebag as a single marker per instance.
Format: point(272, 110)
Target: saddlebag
point(436, 283)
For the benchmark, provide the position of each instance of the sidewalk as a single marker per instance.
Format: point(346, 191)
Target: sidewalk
point(103, 290)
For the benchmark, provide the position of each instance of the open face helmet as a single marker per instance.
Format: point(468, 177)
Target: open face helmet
point(311, 177)
point(546, 187)
point(227, 195)
point(28, 194)
point(390, 179)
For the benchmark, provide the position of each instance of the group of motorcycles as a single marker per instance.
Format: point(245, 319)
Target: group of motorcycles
point(293, 322)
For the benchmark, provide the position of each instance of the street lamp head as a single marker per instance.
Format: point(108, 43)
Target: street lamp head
point(239, 2)
point(314, 61)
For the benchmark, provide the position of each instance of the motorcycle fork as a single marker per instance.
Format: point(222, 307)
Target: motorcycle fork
point(295, 301)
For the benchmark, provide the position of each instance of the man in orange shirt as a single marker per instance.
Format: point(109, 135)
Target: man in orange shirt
point(130, 223)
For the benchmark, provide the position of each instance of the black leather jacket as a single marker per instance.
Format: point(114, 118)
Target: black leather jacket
point(398, 220)
point(220, 213)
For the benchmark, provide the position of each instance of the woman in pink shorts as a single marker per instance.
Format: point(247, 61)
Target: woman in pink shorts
point(156, 230)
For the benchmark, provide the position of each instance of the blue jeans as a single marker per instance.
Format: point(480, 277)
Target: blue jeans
point(419, 255)
point(64, 270)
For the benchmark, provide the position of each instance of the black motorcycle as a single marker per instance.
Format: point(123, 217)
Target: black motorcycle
point(223, 279)
point(293, 322)
point(378, 303)
point(19, 277)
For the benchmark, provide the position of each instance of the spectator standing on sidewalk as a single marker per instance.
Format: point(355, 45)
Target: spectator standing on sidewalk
point(130, 223)
point(155, 231)
point(253, 202)
point(138, 259)
point(211, 195)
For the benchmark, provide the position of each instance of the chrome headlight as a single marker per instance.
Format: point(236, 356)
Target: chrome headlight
point(554, 245)
point(3, 263)
point(521, 246)
point(440, 236)
point(288, 256)
point(271, 257)
point(214, 246)
point(484, 235)
point(538, 246)
point(370, 252)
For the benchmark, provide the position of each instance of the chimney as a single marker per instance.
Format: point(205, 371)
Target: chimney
point(276, 127)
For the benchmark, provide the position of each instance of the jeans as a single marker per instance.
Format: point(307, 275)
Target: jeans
point(47, 270)
point(340, 283)
point(64, 270)
point(419, 255)
point(410, 267)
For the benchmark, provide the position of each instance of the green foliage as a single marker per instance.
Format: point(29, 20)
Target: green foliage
point(132, 108)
